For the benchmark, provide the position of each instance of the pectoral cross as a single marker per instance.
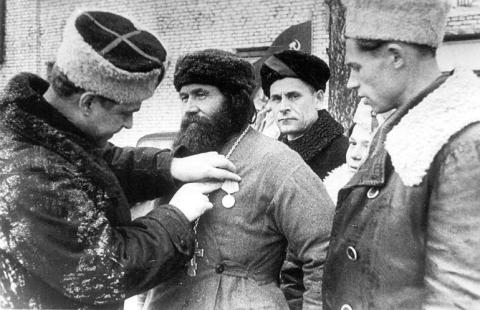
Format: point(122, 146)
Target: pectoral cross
point(192, 266)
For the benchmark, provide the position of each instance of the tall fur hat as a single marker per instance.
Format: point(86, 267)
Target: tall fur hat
point(107, 54)
point(290, 63)
point(215, 67)
point(412, 21)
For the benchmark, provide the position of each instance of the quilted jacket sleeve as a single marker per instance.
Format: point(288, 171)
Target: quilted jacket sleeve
point(453, 240)
point(144, 172)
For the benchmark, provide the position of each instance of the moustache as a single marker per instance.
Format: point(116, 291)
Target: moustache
point(195, 118)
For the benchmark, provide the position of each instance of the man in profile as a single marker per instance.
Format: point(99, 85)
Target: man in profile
point(66, 237)
point(406, 233)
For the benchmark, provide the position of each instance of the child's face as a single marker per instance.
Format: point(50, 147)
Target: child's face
point(359, 145)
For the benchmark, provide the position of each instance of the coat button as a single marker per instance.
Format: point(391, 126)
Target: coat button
point(352, 253)
point(219, 268)
point(346, 307)
point(373, 192)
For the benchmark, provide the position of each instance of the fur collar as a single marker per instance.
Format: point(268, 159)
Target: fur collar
point(336, 179)
point(427, 127)
point(24, 111)
point(317, 138)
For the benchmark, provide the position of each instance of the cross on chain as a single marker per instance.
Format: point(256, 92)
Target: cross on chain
point(192, 266)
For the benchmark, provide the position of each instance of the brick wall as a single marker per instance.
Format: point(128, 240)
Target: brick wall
point(33, 32)
point(21, 39)
point(463, 24)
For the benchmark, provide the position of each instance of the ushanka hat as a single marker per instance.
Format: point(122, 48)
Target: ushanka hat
point(290, 63)
point(222, 69)
point(412, 21)
point(107, 54)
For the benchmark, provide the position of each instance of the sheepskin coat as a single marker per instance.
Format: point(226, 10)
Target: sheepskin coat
point(406, 231)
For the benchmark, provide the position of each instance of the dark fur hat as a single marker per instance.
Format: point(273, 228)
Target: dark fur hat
point(222, 69)
point(108, 54)
point(289, 63)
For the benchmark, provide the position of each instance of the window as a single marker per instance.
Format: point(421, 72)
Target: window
point(464, 2)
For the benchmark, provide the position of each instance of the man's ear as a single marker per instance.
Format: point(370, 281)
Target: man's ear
point(85, 103)
point(396, 53)
point(319, 94)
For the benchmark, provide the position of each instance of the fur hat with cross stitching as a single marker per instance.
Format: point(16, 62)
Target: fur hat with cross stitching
point(412, 21)
point(109, 55)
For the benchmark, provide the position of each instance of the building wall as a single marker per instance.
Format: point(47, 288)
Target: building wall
point(464, 23)
point(448, 53)
point(34, 27)
point(21, 39)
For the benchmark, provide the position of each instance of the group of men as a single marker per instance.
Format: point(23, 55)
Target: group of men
point(249, 223)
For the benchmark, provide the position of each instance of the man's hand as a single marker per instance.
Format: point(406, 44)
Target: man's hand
point(203, 166)
point(192, 200)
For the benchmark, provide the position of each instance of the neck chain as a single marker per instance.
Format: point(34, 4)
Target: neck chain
point(192, 267)
point(234, 146)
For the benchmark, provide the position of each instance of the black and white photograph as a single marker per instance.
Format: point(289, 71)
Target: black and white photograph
point(240, 155)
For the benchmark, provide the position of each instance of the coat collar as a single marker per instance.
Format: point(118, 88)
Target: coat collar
point(427, 127)
point(336, 179)
point(23, 108)
point(378, 165)
point(317, 137)
point(24, 111)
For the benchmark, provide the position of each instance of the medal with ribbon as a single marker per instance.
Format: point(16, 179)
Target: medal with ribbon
point(230, 187)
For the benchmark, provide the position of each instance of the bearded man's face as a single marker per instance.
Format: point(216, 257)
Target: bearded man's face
point(206, 124)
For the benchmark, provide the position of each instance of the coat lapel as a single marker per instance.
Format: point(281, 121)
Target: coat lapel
point(427, 127)
point(378, 166)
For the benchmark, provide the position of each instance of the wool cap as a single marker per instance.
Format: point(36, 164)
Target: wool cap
point(290, 63)
point(412, 21)
point(107, 54)
point(219, 68)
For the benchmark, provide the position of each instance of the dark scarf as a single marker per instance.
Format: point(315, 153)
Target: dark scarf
point(317, 137)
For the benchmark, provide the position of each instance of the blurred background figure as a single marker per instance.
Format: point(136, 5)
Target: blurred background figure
point(360, 135)
point(265, 120)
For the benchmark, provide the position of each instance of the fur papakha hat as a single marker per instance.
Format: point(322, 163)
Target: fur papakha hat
point(290, 63)
point(411, 21)
point(219, 68)
point(107, 54)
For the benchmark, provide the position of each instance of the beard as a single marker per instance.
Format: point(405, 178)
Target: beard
point(199, 134)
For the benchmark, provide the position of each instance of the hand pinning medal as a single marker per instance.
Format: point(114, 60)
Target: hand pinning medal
point(230, 187)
